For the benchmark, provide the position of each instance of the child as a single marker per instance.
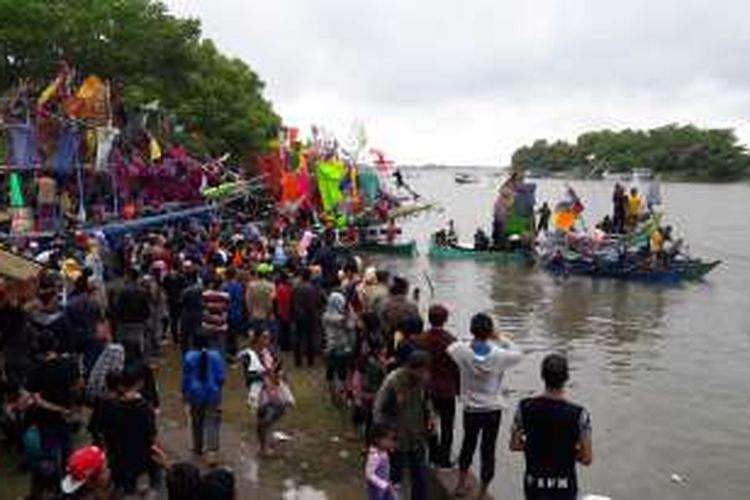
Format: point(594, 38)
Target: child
point(368, 376)
point(378, 467)
point(267, 391)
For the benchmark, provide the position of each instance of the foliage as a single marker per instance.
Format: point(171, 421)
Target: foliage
point(149, 55)
point(676, 151)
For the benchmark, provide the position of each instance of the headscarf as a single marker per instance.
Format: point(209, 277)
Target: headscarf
point(336, 304)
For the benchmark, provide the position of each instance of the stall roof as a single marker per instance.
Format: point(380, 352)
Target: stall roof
point(17, 268)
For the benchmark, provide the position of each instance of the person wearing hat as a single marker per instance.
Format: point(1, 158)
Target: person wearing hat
point(88, 476)
point(402, 403)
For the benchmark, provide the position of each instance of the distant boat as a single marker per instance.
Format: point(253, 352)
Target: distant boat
point(617, 176)
point(466, 179)
point(642, 175)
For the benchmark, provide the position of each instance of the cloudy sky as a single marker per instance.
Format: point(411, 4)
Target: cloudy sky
point(468, 81)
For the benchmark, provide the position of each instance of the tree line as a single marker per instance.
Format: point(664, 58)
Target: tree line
point(148, 55)
point(673, 151)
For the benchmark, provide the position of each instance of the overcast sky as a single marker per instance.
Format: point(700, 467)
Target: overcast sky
point(469, 81)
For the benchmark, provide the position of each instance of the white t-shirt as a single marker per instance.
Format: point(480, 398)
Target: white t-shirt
point(482, 366)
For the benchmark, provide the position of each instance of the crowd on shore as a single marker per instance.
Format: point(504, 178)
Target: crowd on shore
point(90, 335)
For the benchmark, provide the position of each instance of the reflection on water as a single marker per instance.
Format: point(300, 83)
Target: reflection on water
point(664, 371)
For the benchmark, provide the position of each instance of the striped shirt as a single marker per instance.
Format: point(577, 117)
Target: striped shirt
point(215, 312)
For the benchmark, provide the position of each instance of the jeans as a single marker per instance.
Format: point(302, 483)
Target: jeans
point(488, 424)
point(416, 461)
point(205, 420)
point(441, 444)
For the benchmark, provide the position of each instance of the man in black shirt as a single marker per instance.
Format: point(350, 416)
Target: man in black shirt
point(554, 434)
point(52, 383)
point(132, 310)
point(128, 425)
point(174, 284)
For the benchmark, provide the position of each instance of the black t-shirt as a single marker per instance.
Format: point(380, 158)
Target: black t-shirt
point(129, 430)
point(54, 379)
point(174, 284)
point(133, 305)
point(12, 329)
point(552, 428)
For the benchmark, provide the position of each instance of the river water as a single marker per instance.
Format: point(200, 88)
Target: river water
point(664, 371)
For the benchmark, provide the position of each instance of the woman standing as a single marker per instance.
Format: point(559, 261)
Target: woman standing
point(203, 376)
point(339, 329)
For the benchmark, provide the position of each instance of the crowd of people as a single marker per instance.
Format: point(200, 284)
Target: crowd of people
point(267, 301)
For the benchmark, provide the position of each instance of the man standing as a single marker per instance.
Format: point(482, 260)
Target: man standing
point(132, 311)
point(215, 323)
point(174, 284)
point(482, 363)
point(396, 309)
point(236, 318)
point(443, 386)
point(544, 216)
point(260, 294)
point(554, 434)
point(308, 303)
point(191, 309)
point(402, 404)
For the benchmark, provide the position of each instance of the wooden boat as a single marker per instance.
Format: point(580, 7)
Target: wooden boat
point(466, 179)
point(679, 270)
point(459, 252)
point(406, 249)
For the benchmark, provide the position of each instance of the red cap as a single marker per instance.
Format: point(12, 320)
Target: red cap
point(83, 464)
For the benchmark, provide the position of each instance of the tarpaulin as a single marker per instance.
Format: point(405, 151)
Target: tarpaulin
point(154, 149)
point(289, 188)
point(90, 101)
point(272, 167)
point(567, 211)
point(22, 145)
point(16, 191)
point(66, 149)
point(330, 174)
point(105, 140)
point(369, 185)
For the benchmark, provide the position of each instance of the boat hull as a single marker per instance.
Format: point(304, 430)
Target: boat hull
point(686, 270)
point(407, 249)
point(464, 253)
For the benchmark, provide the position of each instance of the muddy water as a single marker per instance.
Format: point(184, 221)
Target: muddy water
point(664, 371)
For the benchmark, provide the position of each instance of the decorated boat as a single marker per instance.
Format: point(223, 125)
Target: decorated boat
point(461, 252)
point(679, 270)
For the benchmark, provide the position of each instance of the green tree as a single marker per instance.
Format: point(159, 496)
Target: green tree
point(147, 53)
point(677, 151)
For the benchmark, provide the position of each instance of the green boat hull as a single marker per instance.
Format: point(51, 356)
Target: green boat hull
point(407, 249)
point(463, 253)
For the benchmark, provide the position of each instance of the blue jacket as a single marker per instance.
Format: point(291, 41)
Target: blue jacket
point(203, 392)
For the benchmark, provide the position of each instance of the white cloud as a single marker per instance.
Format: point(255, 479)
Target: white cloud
point(468, 82)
